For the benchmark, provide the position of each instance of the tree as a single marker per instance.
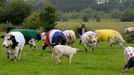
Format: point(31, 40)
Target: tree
point(116, 14)
point(128, 15)
point(32, 21)
point(3, 11)
point(88, 12)
point(48, 16)
point(18, 10)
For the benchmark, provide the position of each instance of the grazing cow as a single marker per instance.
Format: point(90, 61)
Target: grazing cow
point(70, 37)
point(89, 39)
point(60, 50)
point(129, 56)
point(54, 37)
point(14, 43)
point(130, 29)
point(31, 36)
point(111, 36)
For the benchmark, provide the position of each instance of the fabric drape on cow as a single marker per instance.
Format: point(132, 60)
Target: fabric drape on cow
point(53, 36)
point(47, 42)
point(28, 34)
point(105, 34)
point(129, 52)
point(52, 33)
point(19, 38)
point(58, 37)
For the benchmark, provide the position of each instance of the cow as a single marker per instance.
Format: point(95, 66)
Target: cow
point(14, 43)
point(54, 37)
point(70, 37)
point(89, 39)
point(31, 36)
point(129, 57)
point(111, 36)
point(60, 50)
point(130, 29)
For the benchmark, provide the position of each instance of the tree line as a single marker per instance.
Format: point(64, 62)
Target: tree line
point(36, 13)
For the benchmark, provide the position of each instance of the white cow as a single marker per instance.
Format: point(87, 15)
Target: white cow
point(14, 43)
point(129, 56)
point(111, 36)
point(130, 29)
point(89, 39)
point(70, 37)
point(60, 50)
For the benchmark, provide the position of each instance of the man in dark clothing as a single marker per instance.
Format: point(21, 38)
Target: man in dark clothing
point(81, 31)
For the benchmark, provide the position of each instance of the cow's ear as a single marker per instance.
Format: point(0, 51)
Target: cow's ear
point(12, 37)
point(2, 36)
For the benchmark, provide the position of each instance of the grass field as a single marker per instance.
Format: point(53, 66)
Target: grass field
point(92, 25)
point(101, 61)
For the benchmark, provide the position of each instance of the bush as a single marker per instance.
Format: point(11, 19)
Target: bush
point(18, 10)
point(3, 27)
point(84, 19)
point(48, 16)
point(128, 15)
point(32, 22)
point(129, 37)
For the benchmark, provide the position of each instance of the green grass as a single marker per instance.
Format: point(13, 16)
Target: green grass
point(101, 61)
point(92, 25)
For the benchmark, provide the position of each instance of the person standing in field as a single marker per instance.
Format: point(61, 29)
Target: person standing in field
point(81, 31)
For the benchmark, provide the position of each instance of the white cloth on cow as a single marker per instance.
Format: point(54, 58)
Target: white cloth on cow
point(51, 34)
point(129, 52)
point(19, 38)
point(86, 34)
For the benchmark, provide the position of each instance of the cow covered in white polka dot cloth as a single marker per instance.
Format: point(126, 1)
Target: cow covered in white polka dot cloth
point(129, 56)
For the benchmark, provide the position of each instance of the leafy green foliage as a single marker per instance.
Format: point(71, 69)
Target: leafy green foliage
point(18, 10)
point(32, 22)
point(128, 15)
point(129, 37)
point(3, 27)
point(48, 16)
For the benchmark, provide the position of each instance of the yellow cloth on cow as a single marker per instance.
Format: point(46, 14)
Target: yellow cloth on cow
point(106, 34)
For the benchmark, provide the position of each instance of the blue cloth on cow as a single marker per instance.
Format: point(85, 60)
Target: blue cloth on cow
point(58, 37)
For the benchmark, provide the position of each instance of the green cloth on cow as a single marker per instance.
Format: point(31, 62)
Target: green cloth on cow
point(28, 34)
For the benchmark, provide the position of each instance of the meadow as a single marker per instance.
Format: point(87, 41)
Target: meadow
point(102, 61)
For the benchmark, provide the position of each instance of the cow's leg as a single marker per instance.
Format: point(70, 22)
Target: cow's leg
point(85, 46)
point(19, 54)
point(44, 46)
point(112, 41)
point(70, 58)
point(58, 59)
point(92, 48)
point(8, 54)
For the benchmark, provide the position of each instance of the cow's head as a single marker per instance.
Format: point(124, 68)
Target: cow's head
point(10, 41)
point(92, 40)
point(32, 42)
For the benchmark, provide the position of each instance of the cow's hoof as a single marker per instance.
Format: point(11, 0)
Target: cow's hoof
point(125, 70)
